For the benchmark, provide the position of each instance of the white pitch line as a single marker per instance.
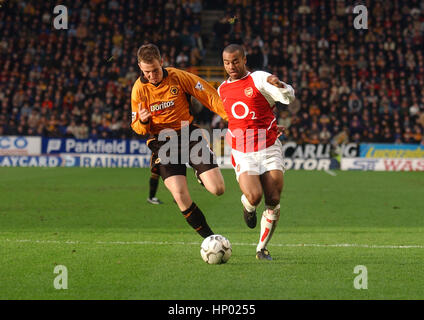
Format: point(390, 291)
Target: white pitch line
point(337, 245)
point(331, 173)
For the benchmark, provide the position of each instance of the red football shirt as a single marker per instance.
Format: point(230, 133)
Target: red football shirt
point(248, 103)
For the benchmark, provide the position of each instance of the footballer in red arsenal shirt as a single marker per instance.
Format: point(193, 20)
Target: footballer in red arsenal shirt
point(256, 154)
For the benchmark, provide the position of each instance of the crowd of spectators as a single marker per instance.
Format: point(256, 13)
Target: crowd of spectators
point(358, 85)
point(76, 82)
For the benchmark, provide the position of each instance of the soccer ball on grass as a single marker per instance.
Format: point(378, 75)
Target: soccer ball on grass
point(215, 249)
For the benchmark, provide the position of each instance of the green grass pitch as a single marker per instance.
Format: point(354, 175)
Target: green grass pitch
point(114, 245)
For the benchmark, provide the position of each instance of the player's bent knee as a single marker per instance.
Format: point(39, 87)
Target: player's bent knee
point(217, 190)
point(220, 190)
point(213, 181)
point(254, 198)
point(273, 199)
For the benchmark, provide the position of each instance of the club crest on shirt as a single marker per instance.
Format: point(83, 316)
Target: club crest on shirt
point(248, 92)
point(174, 90)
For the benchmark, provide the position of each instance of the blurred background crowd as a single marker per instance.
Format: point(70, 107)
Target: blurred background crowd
point(357, 85)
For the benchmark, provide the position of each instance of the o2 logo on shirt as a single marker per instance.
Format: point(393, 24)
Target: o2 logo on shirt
point(245, 113)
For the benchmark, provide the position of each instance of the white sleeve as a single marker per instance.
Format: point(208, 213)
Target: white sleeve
point(270, 92)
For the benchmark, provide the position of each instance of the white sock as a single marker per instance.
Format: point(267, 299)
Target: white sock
point(246, 204)
point(269, 221)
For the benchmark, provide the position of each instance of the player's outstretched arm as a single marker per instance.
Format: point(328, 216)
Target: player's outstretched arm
point(202, 91)
point(273, 88)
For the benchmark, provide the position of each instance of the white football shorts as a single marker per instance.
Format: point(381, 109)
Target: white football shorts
point(259, 162)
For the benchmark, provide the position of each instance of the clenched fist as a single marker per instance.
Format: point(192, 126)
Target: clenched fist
point(143, 114)
point(275, 81)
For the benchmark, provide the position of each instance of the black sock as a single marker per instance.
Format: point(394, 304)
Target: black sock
point(154, 182)
point(197, 220)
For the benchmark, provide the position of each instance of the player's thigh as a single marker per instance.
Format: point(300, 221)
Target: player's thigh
point(177, 185)
point(250, 185)
point(272, 182)
point(203, 160)
point(213, 181)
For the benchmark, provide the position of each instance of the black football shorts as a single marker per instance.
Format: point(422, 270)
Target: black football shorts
point(177, 151)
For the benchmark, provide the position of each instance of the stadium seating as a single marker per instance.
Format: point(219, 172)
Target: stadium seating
point(365, 85)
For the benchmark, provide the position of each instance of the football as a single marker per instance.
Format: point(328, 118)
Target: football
point(215, 249)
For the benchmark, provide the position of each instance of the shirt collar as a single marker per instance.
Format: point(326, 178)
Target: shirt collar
point(230, 81)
